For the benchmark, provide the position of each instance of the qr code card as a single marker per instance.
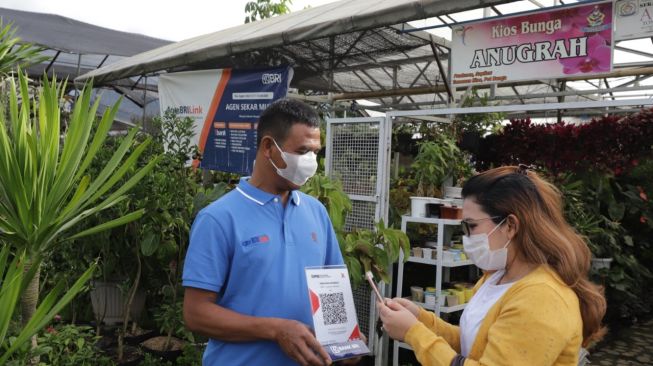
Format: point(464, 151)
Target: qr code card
point(334, 313)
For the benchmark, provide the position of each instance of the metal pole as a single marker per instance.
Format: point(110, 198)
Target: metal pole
point(144, 125)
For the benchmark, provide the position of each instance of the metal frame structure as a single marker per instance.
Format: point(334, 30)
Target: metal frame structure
point(400, 66)
point(381, 127)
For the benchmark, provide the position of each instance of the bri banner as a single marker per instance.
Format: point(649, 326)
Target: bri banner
point(569, 41)
point(225, 104)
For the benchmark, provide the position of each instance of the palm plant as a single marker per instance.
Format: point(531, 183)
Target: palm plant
point(14, 280)
point(13, 52)
point(45, 189)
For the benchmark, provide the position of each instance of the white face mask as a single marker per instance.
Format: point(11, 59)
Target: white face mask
point(299, 168)
point(477, 248)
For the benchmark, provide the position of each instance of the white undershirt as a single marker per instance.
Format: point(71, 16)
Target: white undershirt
point(477, 308)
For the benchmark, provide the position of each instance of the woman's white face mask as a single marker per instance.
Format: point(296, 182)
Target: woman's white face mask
point(477, 248)
point(299, 168)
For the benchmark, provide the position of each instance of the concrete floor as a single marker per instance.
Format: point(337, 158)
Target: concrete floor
point(629, 347)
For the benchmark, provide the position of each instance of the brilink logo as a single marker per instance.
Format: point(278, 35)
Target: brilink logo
point(186, 109)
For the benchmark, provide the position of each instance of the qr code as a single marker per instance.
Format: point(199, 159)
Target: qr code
point(333, 308)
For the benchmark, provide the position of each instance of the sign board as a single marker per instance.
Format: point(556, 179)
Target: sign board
point(544, 45)
point(226, 105)
point(633, 19)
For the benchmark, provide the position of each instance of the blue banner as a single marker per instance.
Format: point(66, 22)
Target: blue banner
point(228, 140)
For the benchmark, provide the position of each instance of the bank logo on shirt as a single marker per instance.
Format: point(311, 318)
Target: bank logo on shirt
point(314, 236)
point(261, 239)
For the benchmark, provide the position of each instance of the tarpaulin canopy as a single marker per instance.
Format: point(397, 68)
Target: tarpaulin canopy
point(321, 39)
point(75, 47)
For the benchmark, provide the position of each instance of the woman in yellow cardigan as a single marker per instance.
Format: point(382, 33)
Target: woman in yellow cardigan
point(534, 305)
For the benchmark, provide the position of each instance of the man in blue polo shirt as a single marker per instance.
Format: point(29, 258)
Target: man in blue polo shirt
point(244, 279)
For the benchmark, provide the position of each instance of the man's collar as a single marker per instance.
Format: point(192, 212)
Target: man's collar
point(260, 196)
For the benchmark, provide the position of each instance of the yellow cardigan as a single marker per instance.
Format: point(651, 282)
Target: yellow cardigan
point(536, 322)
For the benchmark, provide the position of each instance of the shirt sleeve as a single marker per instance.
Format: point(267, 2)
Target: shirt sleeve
point(209, 255)
point(532, 329)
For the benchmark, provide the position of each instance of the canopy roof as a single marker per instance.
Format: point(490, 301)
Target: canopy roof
point(342, 34)
point(367, 50)
point(75, 47)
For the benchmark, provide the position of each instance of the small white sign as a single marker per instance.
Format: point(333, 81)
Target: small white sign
point(633, 19)
point(253, 95)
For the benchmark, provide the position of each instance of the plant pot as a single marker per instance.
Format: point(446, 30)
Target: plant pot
point(154, 346)
point(601, 263)
point(451, 213)
point(433, 209)
point(108, 302)
point(417, 252)
point(141, 336)
point(418, 205)
point(132, 356)
point(453, 192)
point(452, 300)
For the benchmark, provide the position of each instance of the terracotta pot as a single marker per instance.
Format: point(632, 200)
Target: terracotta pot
point(451, 213)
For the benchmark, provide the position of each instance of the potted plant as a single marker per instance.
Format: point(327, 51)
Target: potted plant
point(174, 336)
point(438, 160)
point(375, 251)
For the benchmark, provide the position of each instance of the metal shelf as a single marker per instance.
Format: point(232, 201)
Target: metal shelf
point(443, 309)
point(438, 264)
point(434, 262)
point(431, 220)
point(404, 345)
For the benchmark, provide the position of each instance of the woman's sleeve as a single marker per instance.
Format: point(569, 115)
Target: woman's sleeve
point(533, 329)
point(434, 341)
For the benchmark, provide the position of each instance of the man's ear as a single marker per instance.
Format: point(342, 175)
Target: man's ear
point(266, 146)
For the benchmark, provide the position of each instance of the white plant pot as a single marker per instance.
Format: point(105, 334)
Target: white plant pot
point(601, 263)
point(418, 205)
point(108, 302)
point(453, 192)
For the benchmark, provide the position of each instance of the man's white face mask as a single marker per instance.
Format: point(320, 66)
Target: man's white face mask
point(477, 248)
point(299, 168)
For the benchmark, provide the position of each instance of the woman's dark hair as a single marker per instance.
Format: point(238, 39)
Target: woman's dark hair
point(543, 236)
point(279, 117)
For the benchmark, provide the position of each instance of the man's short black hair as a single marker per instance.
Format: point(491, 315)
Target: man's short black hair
point(279, 117)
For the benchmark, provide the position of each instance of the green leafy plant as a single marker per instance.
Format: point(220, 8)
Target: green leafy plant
point(14, 281)
point(598, 206)
point(191, 356)
point(169, 318)
point(478, 123)
point(330, 193)
point(375, 251)
point(70, 345)
point(262, 9)
point(45, 190)
point(436, 160)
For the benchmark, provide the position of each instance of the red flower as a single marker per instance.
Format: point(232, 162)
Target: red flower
point(51, 330)
point(642, 194)
point(642, 219)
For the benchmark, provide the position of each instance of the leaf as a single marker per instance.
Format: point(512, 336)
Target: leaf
point(150, 244)
point(616, 210)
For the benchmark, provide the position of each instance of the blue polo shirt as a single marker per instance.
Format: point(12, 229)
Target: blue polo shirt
point(251, 250)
